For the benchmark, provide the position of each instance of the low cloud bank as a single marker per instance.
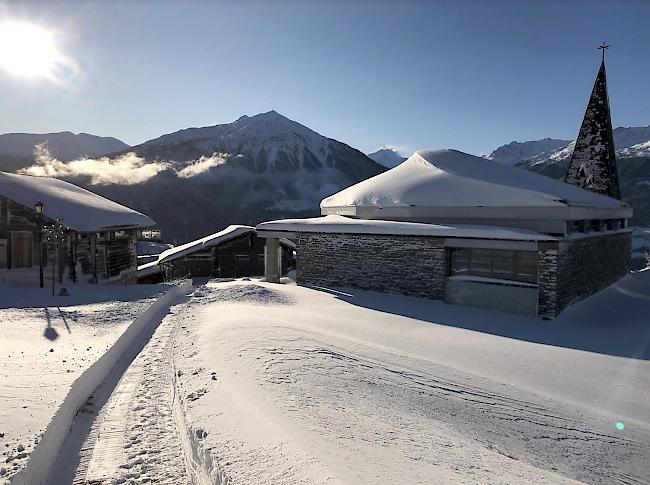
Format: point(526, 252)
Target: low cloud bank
point(202, 165)
point(126, 169)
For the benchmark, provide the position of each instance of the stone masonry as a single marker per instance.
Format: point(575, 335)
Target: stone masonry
point(572, 270)
point(593, 162)
point(409, 265)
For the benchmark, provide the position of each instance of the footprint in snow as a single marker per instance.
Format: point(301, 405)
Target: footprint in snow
point(193, 396)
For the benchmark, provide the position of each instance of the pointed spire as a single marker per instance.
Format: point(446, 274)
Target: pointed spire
point(593, 163)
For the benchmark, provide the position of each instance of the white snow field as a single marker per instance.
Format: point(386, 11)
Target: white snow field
point(245, 382)
point(284, 384)
point(47, 344)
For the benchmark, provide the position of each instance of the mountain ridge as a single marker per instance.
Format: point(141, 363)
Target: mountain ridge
point(629, 142)
point(195, 181)
point(64, 145)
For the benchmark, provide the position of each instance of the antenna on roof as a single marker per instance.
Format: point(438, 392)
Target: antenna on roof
point(604, 46)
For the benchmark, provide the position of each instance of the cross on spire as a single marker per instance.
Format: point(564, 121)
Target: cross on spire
point(603, 47)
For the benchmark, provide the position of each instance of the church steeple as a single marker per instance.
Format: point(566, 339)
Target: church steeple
point(593, 163)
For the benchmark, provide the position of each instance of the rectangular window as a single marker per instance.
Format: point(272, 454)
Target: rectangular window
point(500, 264)
point(460, 261)
point(526, 266)
point(503, 264)
point(481, 262)
point(594, 225)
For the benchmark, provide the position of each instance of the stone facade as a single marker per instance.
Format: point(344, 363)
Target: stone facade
point(572, 270)
point(569, 270)
point(409, 265)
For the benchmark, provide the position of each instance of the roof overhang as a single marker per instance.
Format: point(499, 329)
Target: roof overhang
point(289, 228)
point(560, 212)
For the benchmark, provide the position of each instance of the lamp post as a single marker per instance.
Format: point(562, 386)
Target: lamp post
point(39, 206)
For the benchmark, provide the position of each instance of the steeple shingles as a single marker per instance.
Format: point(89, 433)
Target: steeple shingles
point(593, 163)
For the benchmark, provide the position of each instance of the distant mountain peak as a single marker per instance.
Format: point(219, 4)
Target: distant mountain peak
point(264, 143)
point(387, 156)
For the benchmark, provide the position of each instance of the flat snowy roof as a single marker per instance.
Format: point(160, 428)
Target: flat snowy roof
point(447, 178)
point(77, 208)
point(341, 224)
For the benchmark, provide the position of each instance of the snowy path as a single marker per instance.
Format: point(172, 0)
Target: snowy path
point(289, 385)
point(47, 343)
point(127, 432)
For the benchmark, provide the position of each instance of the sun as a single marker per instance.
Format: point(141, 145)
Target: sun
point(29, 50)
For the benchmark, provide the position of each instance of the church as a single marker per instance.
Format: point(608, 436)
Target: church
point(450, 226)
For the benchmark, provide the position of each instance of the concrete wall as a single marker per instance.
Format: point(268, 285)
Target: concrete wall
point(570, 271)
point(409, 265)
point(521, 300)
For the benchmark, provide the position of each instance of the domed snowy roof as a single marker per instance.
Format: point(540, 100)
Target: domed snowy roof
point(446, 178)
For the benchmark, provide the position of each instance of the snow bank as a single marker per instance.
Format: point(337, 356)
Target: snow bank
point(77, 208)
point(45, 453)
point(452, 178)
point(342, 224)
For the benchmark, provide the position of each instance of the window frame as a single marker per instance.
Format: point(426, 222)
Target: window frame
point(520, 271)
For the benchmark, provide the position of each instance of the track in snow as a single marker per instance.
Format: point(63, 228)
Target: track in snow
point(298, 388)
point(127, 431)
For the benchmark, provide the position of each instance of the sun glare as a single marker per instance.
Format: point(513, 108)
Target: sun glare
point(30, 51)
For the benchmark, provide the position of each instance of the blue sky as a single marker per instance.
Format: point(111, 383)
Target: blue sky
point(470, 75)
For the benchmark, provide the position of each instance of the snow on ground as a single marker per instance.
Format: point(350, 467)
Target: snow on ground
point(127, 429)
point(45, 344)
point(285, 384)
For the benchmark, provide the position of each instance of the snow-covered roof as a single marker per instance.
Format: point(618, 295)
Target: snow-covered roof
point(148, 269)
point(288, 242)
point(77, 208)
point(206, 242)
point(342, 224)
point(445, 178)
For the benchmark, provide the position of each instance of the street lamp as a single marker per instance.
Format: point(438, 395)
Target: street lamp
point(39, 206)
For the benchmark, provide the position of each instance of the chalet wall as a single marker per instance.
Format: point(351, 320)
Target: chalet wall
point(410, 265)
point(238, 257)
point(570, 271)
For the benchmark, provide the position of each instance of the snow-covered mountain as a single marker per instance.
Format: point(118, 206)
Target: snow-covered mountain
point(196, 181)
point(515, 152)
point(387, 156)
point(632, 153)
point(629, 141)
point(267, 143)
point(64, 146)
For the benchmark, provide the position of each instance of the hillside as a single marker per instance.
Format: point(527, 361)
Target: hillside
point(17, 149)
point(198, 180)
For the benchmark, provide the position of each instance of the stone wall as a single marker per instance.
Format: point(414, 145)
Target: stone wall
point(409, 265)
point(570, 271)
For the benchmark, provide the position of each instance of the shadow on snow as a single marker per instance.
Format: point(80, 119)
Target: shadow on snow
point(615, 321)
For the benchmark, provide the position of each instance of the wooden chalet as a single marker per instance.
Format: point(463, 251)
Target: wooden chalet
point(235, 252)
point(53, 222)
